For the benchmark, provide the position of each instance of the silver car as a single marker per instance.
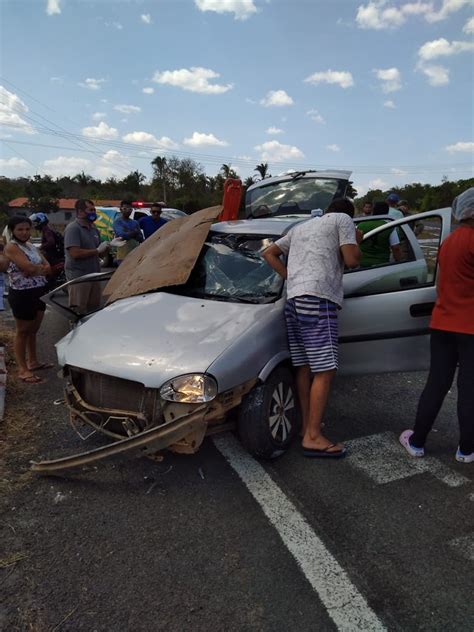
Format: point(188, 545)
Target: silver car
point(166, 368)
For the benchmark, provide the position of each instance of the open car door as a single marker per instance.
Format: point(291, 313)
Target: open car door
point(57, 299)
point(387, 306)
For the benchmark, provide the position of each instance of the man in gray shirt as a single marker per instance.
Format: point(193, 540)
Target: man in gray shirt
point(317, 252)
point(83, 249)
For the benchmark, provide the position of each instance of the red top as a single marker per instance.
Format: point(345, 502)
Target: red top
point(454, 309)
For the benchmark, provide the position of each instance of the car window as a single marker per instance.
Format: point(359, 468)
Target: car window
point(231, 268)
point(295, 196)
point(397, 258)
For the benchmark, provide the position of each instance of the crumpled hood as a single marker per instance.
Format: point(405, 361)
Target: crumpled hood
point(154, 337)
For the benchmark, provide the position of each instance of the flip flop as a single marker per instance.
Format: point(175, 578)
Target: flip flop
point(31, 379)
point(314, 453)
point(42, 367)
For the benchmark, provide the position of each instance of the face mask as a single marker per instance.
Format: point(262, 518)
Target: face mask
point(91, 217)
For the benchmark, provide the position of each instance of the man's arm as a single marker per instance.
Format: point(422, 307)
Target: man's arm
point(351, 255)
point(272, 256)
point(82, 253)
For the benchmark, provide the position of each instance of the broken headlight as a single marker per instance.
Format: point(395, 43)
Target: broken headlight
point(193, 388)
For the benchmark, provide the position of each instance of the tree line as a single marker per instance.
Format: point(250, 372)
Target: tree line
point(182, 183)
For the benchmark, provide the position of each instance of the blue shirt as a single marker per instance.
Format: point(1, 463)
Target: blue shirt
point(395, 213)
point(127, 229)
point(150, 225)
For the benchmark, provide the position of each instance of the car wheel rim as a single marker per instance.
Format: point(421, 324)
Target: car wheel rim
point(281, 404)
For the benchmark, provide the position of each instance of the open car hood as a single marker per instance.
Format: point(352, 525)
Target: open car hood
point(136, 338)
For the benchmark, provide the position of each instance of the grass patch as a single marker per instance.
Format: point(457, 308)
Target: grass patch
point(12, 559)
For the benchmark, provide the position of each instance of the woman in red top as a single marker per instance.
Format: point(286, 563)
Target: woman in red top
point(452, 337)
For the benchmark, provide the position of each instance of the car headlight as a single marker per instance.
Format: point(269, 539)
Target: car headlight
point(193, 388)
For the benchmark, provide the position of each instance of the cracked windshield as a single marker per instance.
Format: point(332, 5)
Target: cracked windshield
point(231, 268)
point(298, 195)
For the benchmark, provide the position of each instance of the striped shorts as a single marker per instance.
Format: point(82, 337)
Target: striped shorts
point(312, 329)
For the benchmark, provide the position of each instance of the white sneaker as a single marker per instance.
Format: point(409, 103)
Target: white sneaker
point(404, 439)
point(464, 458)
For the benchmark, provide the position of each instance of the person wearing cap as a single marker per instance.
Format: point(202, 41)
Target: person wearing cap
point(404, 207)
point(151, 223)
point(392, 200)
point(452, 337)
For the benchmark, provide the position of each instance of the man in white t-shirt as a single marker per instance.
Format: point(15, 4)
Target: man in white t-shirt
point(317, 252)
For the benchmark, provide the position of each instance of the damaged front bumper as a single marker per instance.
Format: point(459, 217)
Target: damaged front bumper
point(182, 427)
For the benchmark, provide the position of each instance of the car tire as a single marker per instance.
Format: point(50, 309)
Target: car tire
point(268, 416)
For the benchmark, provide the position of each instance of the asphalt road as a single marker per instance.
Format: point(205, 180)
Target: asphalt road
point(218, 541)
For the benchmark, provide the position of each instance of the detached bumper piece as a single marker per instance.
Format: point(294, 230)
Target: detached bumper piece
point(179, 433)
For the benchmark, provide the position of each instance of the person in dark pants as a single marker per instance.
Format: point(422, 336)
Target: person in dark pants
point(452, 337)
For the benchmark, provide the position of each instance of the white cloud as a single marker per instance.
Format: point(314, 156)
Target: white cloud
point(112, 163)
point(145, 138)
point(65, 166)
point(199, 139)
point(127, 109)
point(102, 130)
point(461, 146)
point(389, 104)
point(56, 79)
point(92, 84)
point(276, 98)
point(315, 116)
point(378, 15)
point(437, 75)
point(390, 77)
point(333, 147)
point(148, 90)
point(53, 7)
point(447, 7)
point(242, 9)
point(274, 130)
point(11, 109)
point(98, 116)
point(273, 151)
point(378, 183)
point(13, 163)
point(195, 79)
point(342, 78)
point(469, 26)
point(442, 48)
point(398, 172)
point(146, 18)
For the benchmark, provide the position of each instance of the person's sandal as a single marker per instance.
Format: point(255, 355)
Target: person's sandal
point(464, 458)
point(404, 440)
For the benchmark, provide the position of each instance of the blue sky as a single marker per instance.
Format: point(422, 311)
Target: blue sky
point(382, 88)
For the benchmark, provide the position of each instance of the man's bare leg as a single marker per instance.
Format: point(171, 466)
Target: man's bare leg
point(318, 398)
point(303, 387)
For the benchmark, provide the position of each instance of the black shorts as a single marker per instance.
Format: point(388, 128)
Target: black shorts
point(26, 304)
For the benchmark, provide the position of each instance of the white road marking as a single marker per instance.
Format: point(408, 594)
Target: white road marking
point(381, 457)
point(465, 546)
point(345, 604)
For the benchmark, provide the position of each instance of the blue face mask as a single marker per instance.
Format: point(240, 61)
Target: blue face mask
point(91, 217)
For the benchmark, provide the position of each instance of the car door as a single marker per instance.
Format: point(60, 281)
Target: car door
point(387, 306)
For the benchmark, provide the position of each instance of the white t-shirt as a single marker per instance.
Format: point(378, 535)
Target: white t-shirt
point(315, 264)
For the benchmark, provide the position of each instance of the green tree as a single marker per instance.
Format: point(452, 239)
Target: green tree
point(227, 171)
point(43, 193)
point(160, 171)
point(262, 169)
point(133, 182)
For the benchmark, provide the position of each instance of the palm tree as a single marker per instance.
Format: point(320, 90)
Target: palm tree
point(262, 169)
point(227, 171)
point(248, 182)
point(160, 167)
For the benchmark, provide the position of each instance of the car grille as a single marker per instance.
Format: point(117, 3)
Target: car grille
point(105, 391)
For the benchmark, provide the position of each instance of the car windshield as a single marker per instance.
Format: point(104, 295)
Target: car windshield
point(231, 268)
point(298, 195)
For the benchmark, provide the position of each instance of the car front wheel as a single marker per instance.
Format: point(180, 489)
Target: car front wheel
point(268, 416)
